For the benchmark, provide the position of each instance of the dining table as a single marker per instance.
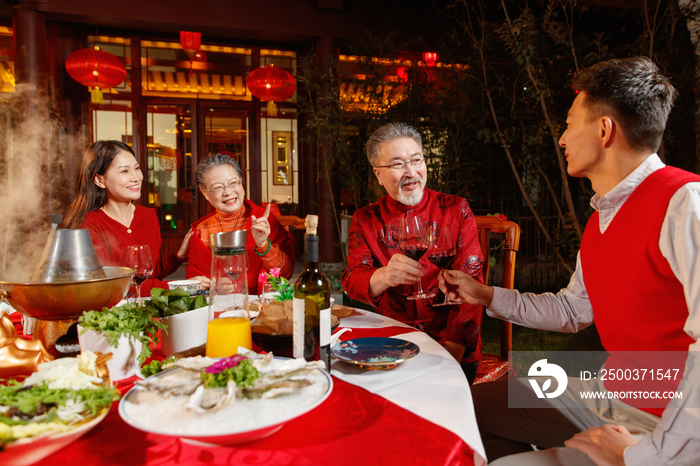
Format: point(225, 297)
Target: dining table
point(419, 412)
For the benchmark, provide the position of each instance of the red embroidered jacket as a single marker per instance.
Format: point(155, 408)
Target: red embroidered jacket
point(374, 239)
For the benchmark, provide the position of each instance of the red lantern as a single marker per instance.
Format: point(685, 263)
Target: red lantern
point(402, 73)
point(95, 68)
point(430, 58)
point(191, 42)
point(271, 83)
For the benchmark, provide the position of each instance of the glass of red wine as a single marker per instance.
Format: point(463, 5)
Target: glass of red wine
point(442, 253)
point(138, 257)
point(414, 242)
point(233, 269)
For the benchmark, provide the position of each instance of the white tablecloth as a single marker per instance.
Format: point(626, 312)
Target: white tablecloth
point(431, 385)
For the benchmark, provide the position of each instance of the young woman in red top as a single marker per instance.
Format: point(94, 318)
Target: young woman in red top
point(110, 180)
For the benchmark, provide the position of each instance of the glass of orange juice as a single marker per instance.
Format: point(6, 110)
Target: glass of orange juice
point(229, 319)
point(226, 334)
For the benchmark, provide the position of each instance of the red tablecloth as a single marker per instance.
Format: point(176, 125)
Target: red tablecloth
point(353, 426)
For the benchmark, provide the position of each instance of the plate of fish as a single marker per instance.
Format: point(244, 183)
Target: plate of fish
point(184, 400)
point(375, 352)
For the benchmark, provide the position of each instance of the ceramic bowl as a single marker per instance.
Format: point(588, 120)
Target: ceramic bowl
point(124, 362)
point(191, 286)
point(185, 331)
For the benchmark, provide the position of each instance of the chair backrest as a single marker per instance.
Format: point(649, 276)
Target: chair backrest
point(511, 242)
point(274, 208)
point(292, 222)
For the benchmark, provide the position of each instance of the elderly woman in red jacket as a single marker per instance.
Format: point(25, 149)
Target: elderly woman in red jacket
point(269, 245)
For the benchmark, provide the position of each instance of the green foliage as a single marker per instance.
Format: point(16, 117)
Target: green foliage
point(166, 303)
point(128, 320)
point(281, 285)
point(243, 374)
point(26, 399)
point(155, 366)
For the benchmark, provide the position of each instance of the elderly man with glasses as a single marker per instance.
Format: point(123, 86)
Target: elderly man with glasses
point(379, 274)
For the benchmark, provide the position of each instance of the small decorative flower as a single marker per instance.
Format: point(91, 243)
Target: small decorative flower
point(225, 363)
point(279, 284)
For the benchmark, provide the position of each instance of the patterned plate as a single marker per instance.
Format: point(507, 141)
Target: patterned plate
point(375, 352)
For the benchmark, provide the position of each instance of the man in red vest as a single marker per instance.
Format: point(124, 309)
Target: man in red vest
point(636, 277)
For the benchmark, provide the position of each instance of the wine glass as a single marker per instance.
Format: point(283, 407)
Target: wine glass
point(233, 269)
point(414, 242)
point(442, 253)
point(138, 257)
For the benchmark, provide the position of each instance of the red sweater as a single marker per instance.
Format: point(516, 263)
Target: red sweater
point(373, 240)
point(111, 239)
point(638, 303)
point(199, 261)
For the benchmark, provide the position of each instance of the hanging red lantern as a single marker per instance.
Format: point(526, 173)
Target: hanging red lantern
point(272, 84)
point(95, 68)
point(430, 58)
point(402, 74)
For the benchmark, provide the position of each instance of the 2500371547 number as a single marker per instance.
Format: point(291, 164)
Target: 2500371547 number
point(639, 374)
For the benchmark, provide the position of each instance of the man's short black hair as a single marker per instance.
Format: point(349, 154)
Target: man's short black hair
point(632, 91)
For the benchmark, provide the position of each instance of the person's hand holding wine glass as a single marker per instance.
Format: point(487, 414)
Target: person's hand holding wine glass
point(442, 253)
point(414, 242)
point(233, 267)
point(138, 257)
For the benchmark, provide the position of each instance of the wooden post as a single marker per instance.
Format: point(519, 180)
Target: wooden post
point(328, 184)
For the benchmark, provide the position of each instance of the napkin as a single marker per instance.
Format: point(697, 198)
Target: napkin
point(375, 332)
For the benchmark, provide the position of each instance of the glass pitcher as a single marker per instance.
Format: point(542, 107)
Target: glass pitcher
point(229, 320)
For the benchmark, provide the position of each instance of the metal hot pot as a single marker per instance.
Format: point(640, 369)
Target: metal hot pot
point(68, 281)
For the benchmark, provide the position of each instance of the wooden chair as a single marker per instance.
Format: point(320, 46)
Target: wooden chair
point(274, 208)
point(492, 366)
point(292, 222)
point(297, 227)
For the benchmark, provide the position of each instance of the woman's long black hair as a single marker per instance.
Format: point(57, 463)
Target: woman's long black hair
point(97, 159)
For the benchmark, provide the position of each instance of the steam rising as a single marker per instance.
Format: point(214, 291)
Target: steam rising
point(38, 174)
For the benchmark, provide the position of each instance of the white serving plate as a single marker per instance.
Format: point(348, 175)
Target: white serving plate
point(243, 421)
point(28, 451)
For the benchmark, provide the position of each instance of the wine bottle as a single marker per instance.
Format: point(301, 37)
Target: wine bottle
point(312, 308)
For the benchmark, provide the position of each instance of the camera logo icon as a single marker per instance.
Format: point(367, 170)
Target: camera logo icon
point(542, 368)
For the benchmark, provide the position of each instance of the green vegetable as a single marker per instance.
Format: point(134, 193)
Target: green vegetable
point(26, 399)
point(127, 320)
point(243, 374)
point(166, 303)
point(155, 366)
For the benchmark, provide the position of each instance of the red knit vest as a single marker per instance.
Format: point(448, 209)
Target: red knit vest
point(638, 303)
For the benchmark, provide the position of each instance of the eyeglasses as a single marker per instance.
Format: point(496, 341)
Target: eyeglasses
point(399, 166)
point(219, 189)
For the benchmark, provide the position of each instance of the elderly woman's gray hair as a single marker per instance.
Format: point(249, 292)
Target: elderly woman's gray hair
point(388, 133)
point(215, 160)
